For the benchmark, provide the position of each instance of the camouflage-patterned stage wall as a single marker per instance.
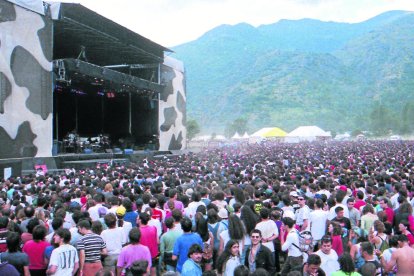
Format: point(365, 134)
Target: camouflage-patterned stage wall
point(26, 96)
point(172, 106)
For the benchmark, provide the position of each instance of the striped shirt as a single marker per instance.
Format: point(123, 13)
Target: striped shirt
point(92, 244)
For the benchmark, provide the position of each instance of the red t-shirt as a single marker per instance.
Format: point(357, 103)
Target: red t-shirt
point(359, 203)
point(36, 253)
point(157, 214)
point(410, 238)
point(337, 244)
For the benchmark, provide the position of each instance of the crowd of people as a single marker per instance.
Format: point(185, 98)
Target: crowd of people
point(321, 208)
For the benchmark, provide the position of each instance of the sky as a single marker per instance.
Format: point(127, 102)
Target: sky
point(174, 22)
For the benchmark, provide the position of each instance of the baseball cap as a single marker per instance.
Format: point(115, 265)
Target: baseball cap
point(223, 213)
point(120, 211)
point(294, 194)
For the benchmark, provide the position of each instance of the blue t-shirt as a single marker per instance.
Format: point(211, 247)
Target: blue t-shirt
point(131, 217)
point(183, 244)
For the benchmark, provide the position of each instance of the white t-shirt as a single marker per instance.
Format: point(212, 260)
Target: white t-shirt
point(64, 258)
point(93, 211)
point(332, 213)
point(317, 221)
point(126, 227)
point(114, 239)
point(268, 229)
point(192, 208)
point(302, 214)
point(292, 238)
point(329, 262)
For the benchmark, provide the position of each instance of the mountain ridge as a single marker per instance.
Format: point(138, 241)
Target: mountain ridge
point(323, 73)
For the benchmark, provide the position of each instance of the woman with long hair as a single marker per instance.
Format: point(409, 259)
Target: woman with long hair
point(347, 267)
point(208, 240)
point(229, 259)
point(236, 231)
point(335, 231)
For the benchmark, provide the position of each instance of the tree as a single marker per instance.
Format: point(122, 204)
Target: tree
point(382, 120)
point(239, 125)
point(192, 129)
point(407, 115)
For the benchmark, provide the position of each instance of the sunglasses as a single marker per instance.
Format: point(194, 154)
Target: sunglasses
point(255, 237)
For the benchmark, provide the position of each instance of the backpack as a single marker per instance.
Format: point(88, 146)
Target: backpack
point(214, 232)
point(305, 241)
point(384, 244)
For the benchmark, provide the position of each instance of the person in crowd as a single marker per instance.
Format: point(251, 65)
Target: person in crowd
point(385, 206)
point(91, 248)
point(377, 236)
point(134, 251)
point(318, 220)
point(402, 258)
point(191, 266)
point(302, 215)
point(268, 229)
point(14, 256)
point(367, 252)
point(347, 267)
point(114, 238)
point(312, 266)
point(64, 260)
point(335, 231)
point(129, 215)
point(4, 222)
point(328, 256)
point(259, 256)
point(35, 249)
point(149, 238)
point(235, 231)
point(291, 245)
point(167, 242)
point(368, 217)
point(404, 228)
point(229, 259)
point(208, 241)
point(354, 214)
point(184, 242)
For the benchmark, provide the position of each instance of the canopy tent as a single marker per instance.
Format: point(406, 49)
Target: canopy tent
point(307, 133)
point(236, 136)
point(245, 136)
point(268, 132)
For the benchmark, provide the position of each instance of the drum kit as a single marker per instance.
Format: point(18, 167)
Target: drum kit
point(73, 143)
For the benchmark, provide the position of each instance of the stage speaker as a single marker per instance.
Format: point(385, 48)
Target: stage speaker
point(128, 151)
point(87, 151)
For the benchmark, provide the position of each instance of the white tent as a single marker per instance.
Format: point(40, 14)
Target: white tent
point(236, 136)
point(245, 136)
point(307, 133)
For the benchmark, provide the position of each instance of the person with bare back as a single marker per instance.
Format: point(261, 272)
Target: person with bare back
point(403, 258)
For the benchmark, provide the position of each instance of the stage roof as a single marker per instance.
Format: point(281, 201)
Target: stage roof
point(105, 42)
point(80, 71)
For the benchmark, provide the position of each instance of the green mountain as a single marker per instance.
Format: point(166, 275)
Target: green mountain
point(301, 72)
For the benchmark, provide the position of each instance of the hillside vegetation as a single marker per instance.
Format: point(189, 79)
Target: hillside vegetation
point(338, 76)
